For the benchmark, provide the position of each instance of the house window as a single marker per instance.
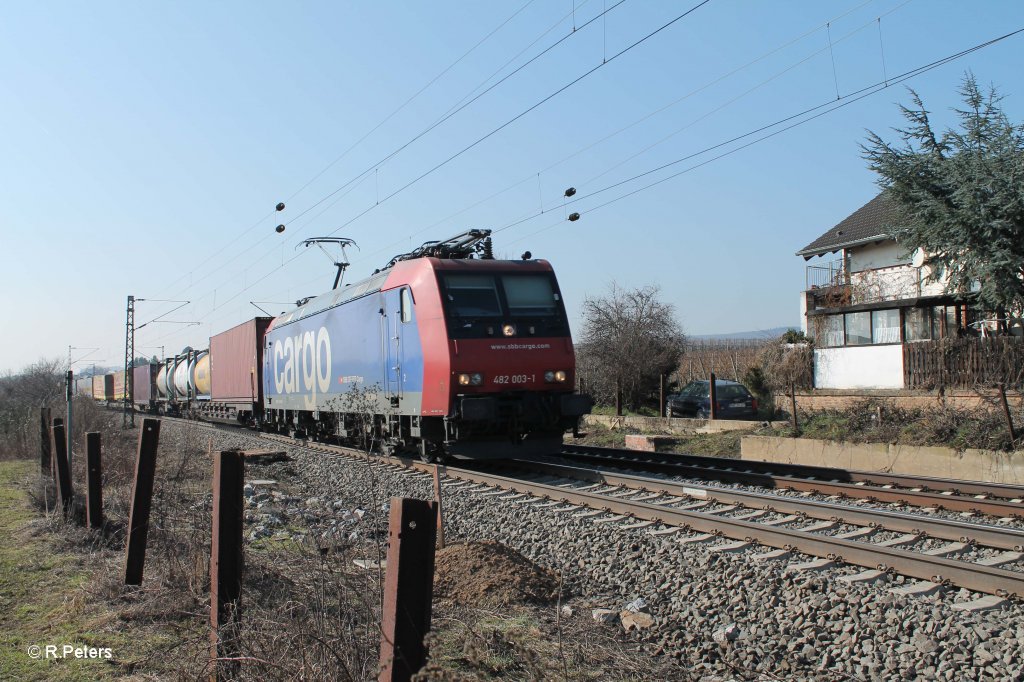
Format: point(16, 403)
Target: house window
point(885, 326)
point(917, 324)
point(830, 329)
point(858, 329)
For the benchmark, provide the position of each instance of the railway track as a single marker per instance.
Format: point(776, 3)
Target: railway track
point(980, 497)
point(885, 542)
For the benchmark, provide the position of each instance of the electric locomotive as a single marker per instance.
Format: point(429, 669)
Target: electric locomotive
point(444, 351)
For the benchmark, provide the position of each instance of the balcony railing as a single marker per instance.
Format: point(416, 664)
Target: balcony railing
point(829, 275)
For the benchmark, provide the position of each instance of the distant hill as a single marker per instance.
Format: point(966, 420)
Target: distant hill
point(772, 333)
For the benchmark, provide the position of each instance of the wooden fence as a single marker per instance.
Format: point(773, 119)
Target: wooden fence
point(727, 358)
point(964, 363)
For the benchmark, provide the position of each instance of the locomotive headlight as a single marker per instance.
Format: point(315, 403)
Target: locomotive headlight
point(508, 329)
point(555, 377)
point(560, 376)
point(471, 379)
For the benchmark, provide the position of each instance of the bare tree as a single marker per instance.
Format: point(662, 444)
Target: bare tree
point(630, 338)
point(21, 396)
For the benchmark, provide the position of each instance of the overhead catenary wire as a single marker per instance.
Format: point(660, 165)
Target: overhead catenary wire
point(523, 113)
point(362, 139)
point(356, 180)
point(792, 41)
point(452, 113)
point(811, 114)
point(796, 120)
point(737, 98)
point(638, 121)
point(494, 131)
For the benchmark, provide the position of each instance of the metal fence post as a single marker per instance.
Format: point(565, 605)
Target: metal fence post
point(661, 396)
point(94, 474)
point(226, 559)
point(437, 500)
point(408, 588)
point(65, 496)
point(142, 498)
point(792, 398)
point(44, 441)
point(1006, 413)
point(713, 396)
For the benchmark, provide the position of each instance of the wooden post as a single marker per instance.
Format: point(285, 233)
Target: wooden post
point(142, 498)
point(94, 490)
point(70, 379)
point(45, 455)
point(661, 397)
point(437, 500)
point(408, 589)
point(618, 397)
point(792, 409)
point(57, 421)
point(65, 496)
point(226, 561)
point(1009, 417)
point(713, 396)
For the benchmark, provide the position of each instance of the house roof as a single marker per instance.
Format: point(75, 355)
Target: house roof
point(868, 223)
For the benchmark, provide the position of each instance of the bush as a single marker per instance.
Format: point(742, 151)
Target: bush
point(874, 421)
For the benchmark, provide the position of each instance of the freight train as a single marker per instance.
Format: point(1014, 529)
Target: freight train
point(445, 351)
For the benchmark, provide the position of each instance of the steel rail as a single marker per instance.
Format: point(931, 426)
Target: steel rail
point(980, 578)
point(945, 529)
point(977, 577)
point(825, 481)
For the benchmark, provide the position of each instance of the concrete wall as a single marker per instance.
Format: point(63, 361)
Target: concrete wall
point(817, 400)
point(859, 367)
point(975, 465)
point(871, 256)
point(674, 425)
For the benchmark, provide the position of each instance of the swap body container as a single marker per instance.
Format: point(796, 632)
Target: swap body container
point(118, 386)
point(236, 370)
point(99, 387)
point(144, 384)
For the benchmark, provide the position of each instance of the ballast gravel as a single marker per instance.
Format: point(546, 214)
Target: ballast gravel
point(785, 625)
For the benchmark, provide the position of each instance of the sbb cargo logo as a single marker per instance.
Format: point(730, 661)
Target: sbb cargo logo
point(302, 364)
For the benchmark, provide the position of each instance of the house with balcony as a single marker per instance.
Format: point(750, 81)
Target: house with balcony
point(868, 299)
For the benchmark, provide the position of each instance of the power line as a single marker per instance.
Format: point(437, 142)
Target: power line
point(411, 98)
point(459, 108)
point(363, 138)
point(829, 106)
point(644, 118)
point(462, 104)
point(735, 99)
point(524, 112)
point(488, 135)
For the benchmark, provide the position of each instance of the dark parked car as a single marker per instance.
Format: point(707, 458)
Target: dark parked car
point(734, 401)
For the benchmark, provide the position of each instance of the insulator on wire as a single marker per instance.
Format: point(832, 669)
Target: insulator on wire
point(279, 229)
point(571, 191)
point(280, 206)
point(573, 217)
point(526, 255)
point(488, 249)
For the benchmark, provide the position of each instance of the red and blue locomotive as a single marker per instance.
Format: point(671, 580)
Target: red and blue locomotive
point(445, 351)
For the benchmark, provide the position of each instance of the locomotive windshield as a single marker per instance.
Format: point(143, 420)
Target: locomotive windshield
point(529, 295)
point(472, 296)
point(479, 301)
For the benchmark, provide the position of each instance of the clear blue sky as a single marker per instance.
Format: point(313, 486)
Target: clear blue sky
point(146, 144)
